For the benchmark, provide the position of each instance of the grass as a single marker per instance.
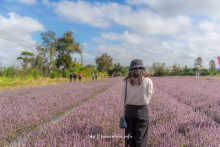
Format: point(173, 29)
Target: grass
point(13, 83)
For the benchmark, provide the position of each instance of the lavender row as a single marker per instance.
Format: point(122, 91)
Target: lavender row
point(172, 123)
point(201, 94)
point(23, 110)
point(175, 124)
point(92, 124)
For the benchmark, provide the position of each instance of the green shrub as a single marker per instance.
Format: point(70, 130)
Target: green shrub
point(34, 73)
point(213, 72)
point(118, 70)
point(10, 72)
point(66, 73)
point(159, 69)
point(54, 74)
point(204, 72)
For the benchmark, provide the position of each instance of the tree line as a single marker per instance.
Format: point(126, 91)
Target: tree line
point(53, 54)
point(52, 58)
point(160, 69)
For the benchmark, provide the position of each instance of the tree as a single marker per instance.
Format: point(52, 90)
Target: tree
point(66, 45)
point(187, 71)
point(38, 63)
point(212, 65)
point(49, 42)
point(104, 62)
point(47, 51)
point(118, 70)
point(159, 68)
point(198, 65)
point(176, 70)
point(27, 59)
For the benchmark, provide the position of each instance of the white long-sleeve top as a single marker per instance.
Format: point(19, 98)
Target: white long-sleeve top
point(138, 95)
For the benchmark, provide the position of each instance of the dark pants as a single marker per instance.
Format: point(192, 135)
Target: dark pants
point(137, 125)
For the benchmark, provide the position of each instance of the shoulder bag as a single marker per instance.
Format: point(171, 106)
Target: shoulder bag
point(122, 123)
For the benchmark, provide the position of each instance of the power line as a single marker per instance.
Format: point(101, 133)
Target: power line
point(87, 60)
point(81, 54)
point(9, 36)
point(15, 38)
point(10, 40)
point(4, 31)
point(5, 6)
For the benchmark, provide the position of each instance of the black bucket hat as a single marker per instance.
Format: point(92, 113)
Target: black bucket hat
point(136, 64)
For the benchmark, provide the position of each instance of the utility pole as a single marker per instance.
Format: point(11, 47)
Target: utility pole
point(81, 55)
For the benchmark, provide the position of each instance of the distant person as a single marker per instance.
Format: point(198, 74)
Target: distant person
point(96, 76)
point(103, 76)
point(80, 77)
point(71, 77)
point(93, 76)
point(139, 93)
point(74, 76)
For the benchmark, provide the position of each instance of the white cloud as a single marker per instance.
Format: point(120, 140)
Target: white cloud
point(82, 12)
point(107, 14)
point(149, 49)
point(20, 27)
point(126, 37)
point(182, 48)
point(28, 2)
point(146, 22)
point(182, 7)
point(46, 2)
point(169, 31)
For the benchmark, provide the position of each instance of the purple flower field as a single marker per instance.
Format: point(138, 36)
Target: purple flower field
point(21, 111)
point(183, 113)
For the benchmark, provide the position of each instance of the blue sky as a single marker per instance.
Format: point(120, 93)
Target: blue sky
point(166, 31)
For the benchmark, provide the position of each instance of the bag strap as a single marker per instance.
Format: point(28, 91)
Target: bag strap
point(125, 95)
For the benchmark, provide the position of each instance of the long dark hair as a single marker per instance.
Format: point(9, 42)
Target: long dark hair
point(135, 76)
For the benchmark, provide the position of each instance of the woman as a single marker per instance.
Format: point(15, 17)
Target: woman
point(138, 95)
point(71, 77)
point(74, 76)
point(80, 77)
